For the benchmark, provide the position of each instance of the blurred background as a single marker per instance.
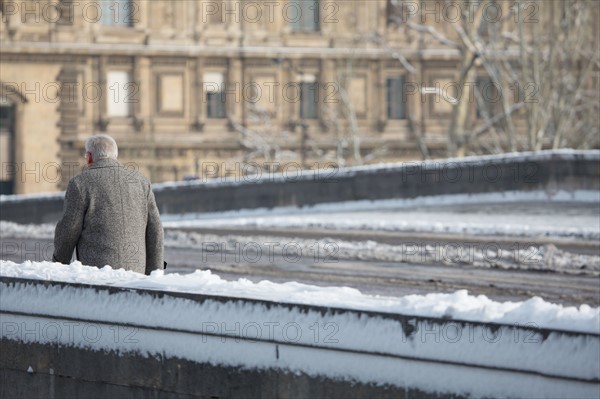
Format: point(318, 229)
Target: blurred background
point(336, 156)
point(193, 89)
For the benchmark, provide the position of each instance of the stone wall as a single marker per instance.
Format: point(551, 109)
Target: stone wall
point(98, 374)
point(64, 339)
point(548, 171)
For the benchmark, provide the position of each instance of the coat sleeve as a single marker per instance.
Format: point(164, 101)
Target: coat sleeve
point(68, 229)
point(154, 237)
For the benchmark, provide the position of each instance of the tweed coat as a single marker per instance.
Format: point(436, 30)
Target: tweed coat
point(110, 217)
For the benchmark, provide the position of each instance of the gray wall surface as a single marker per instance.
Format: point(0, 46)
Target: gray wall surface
point(547, 170)
point(66, 364)
point(80, 373)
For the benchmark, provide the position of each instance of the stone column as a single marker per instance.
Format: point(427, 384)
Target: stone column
point(374, 103)
point(233, 92)
point(287, 76)
point(69, 111)
point(328, 89)
point(198, 109)
point(381, 90)
point(142, 107)
point(102, 120)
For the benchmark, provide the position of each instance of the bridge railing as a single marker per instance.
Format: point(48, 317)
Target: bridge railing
point(549, 171)
point(187, 343)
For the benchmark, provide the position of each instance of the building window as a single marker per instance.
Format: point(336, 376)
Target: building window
point(214, 10)
point(215, 95)
point(303, 15)
point(308, 97)
point(170, 90)
point(396, 103)
point(120, 93)
point(490, 95)
point(357, 93)
point(7, 151)
point(484, 28)
point(117, 12)
point(393, 11)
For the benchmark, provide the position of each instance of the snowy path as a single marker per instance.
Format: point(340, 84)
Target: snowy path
point(575, 220)
point(474, 346)
point(388, 278)
point(319, 246)
point(369, 276)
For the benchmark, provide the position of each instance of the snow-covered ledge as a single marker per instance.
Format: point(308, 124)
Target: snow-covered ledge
point(437, 343)
point(551, 172)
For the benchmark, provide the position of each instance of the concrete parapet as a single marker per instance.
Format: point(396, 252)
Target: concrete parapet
point(82, 340)
point(548, 171)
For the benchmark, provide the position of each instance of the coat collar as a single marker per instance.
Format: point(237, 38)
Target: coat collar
point(105, 163)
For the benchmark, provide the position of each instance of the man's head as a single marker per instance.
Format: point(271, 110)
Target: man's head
point(100, 146)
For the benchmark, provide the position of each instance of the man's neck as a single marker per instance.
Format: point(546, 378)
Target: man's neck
point(101, 162)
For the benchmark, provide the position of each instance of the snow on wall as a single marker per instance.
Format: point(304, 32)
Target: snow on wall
point(387, 215)
point(459, 305)
point(336, 172)
point(428, 376)
point(297, 175)
point(486, 255)
point(34, 196)
point(275, 333)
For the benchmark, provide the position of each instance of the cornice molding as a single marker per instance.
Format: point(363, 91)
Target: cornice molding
point(192, 50)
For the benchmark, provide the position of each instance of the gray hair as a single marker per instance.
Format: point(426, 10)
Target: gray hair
point(102, 146)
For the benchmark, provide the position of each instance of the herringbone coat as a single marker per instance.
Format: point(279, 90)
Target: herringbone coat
point(110, 217)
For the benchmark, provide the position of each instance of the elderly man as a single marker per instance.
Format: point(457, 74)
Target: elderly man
point(110, 215)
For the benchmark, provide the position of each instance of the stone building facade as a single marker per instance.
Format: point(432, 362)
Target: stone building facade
point(198, 87)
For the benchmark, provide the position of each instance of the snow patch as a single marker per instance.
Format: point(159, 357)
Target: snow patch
point(459, 305)
point(445, 356)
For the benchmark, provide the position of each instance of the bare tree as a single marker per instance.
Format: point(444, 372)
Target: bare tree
point(545, 53)
point(558, 55)
point(341, 117)
point(258, 142)
point(344, 78)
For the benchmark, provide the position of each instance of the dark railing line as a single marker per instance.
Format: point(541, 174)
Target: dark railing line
point(406, 320)
point(568, 170)
point(304, 345)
